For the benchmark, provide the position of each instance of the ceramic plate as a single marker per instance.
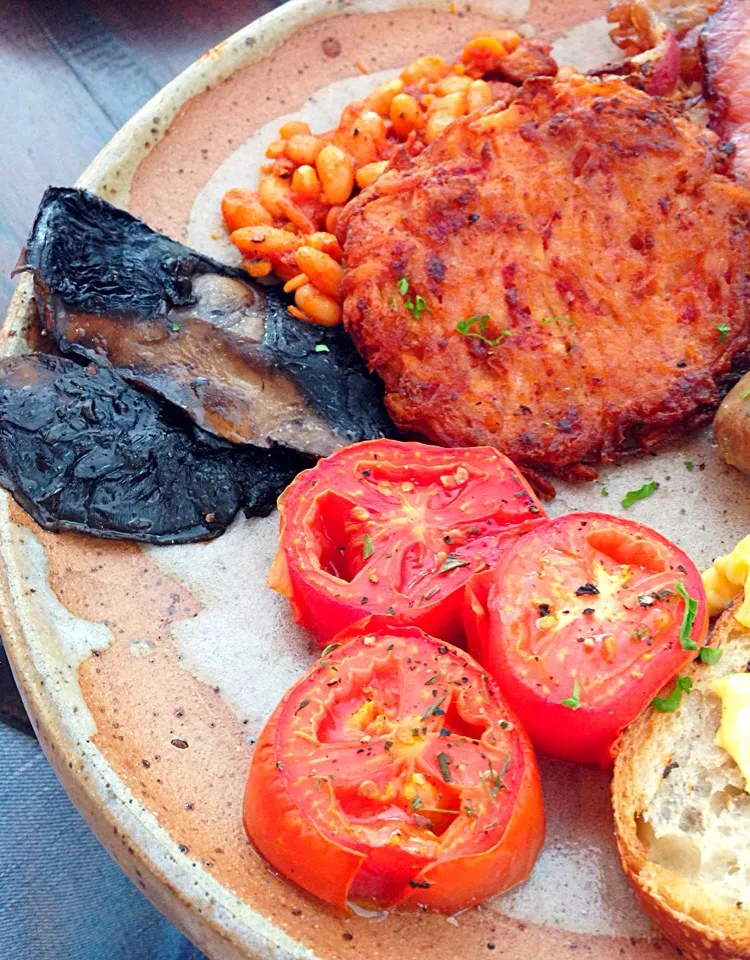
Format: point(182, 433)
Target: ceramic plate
point(148, 672)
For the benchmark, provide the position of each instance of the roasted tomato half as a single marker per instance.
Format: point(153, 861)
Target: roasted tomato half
point(582, 622)
point(391, 528)
point(395, 772)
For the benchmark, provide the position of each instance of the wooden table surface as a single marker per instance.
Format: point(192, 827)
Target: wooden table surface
point(72, 72)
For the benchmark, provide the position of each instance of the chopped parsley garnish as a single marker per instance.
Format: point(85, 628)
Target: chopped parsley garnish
point(175, 327)
point(710, 655)
point(464, 327)
point(321, 348)
point(688, 619)
point(640, 494)
point(415, 804)
point(689, 465)
point(434, 708)
point(451, 562)
point(403, 286)
point(671, 702)
point(745, 395)
point(723, 329)
point(417, 306)
point(368, 547)
point(605, 492)
point(431, 680)
point(563, 318)
point(443, 760)
point(573, 702)
point(329, 649)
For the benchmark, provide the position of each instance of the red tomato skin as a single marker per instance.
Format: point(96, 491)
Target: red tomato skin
point(329, 870)
point(283, 835)
point(325, 611)
point(589, 734)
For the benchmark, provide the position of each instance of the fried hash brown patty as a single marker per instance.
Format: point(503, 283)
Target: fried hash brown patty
point(584, 227)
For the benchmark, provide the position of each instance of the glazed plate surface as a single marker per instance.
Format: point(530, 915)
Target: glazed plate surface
point(122, 652)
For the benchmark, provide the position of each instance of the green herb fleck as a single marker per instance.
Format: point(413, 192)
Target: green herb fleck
point(403, 286)
point(416, 307)
point(175, 327)
point(745, 395)
point(443, 760)
point(464, 327)
point(434, 708)
point(302, 705)
point(640, 494)
point(689, 465)
point(329, 649)
point(563, 318)
point(391, 611)
point(688, 619)
point(451, 562)
point(605, 492)
point(723, 329)
point(710, 655)
point(573, 702)
point(321, 348)
point(431, 680)
point(394, 302)
point(671, 702)
point(368, 547)
point(415, 804)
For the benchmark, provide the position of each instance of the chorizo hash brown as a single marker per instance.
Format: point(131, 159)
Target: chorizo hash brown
point(582, 271)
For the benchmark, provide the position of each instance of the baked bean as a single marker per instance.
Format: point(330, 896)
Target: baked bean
point(297, 217)
point(336, 172)
point(257, 267)
point(442, 113)
point(303, 148)
point(298, 314)
point(406, 115)
point(273, 191)
point(291, 285)
point(317, 306)
point(370, 173)
point(326, 242)
point(332, 218)
point(242, 208)
point(479, 95)
point(264, 241)
point(452, 84)
point(293, 127)
point(430, 67)
point(305, 181)
point(275, 149)
point(381, 97)
point(322, 271)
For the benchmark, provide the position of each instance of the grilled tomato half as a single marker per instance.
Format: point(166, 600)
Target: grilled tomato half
point(395, 773)
point(582, 623)
point(392, 528)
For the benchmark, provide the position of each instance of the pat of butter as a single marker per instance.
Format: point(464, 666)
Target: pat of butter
point(734, 732)
point(726, 578)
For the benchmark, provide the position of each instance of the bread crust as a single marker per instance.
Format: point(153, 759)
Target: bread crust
point(684, 910)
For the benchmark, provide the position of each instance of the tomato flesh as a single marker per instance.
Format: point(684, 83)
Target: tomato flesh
point(396, 529)
point(582, 628)
point(398, 755)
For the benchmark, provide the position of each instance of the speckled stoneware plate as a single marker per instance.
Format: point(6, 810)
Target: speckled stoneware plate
point(120, 650)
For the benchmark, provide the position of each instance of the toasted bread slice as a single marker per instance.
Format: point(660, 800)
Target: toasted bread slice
point(682, 814)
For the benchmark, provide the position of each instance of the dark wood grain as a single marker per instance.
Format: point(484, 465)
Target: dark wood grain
point(72, 72)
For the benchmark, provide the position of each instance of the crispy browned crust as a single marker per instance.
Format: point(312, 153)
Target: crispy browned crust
point(587, 200)
point(700, 928)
